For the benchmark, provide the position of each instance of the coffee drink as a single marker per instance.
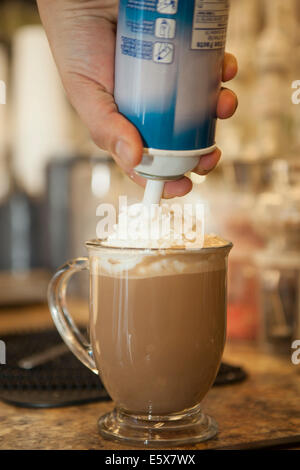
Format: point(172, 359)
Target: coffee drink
point(157, 324)
point(158, 328)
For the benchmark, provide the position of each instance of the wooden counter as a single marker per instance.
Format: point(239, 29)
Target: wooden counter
point(262, 411)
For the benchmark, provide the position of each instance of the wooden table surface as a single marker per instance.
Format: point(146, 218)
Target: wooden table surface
point(263, 411)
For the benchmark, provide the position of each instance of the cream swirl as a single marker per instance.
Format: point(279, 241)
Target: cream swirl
point(159, 226)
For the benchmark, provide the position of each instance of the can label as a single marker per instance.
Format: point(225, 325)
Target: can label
point(169, 57)
point(209, 25)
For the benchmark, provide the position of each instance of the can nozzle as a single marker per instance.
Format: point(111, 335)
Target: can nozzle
point(153, 192)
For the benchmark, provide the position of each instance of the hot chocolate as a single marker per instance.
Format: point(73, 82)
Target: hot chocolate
point(158, 331)
point(157, 328)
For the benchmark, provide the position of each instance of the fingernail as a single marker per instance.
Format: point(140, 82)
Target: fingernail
point(124, 151)
point(131, 174)
point(203, 171)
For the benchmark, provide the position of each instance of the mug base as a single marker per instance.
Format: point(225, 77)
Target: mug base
point(177, 429)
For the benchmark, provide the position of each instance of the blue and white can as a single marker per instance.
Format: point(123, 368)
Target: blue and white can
point(169, 56)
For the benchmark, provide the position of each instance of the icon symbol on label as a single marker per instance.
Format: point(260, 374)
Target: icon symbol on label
point(163, 52)
point(167, 6)
point(165, 28)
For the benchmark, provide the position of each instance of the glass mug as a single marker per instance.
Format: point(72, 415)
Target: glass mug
point(157, 329)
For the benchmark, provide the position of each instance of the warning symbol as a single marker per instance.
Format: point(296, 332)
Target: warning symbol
point(165, 28)
point(168, 7)
point(163, 52)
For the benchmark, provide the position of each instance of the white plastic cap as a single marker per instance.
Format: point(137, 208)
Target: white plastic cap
point(153, 192)
point(169, 165)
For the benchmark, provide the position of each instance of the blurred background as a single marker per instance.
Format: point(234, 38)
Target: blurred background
point(52, 177)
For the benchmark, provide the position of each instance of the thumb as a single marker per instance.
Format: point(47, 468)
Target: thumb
point(108, 128)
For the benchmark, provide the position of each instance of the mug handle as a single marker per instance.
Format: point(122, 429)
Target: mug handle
point(63, 321)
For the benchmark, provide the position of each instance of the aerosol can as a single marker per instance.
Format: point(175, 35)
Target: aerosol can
point(169, 56)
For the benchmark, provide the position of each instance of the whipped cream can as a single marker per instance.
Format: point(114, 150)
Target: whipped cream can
point(169, 56)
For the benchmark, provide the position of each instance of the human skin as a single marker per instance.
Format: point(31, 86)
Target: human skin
point(81, 34)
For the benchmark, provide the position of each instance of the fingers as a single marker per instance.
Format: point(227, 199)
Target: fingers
point(177, 188)
point(227, 104)
point(109, 129)
point(230, 67)
point(208, 162)
point(112, 132)
point(83, 44)
point(172, 189)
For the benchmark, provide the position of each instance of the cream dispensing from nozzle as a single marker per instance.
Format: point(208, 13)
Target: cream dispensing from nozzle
point(169, 56)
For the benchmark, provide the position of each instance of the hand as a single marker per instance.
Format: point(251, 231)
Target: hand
point(81, 34)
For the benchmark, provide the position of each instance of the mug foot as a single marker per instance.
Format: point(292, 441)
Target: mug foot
point(177, 429)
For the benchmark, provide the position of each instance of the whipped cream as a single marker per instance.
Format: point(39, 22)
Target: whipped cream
point(159, 226)
point(128, 263)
